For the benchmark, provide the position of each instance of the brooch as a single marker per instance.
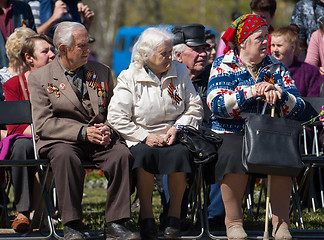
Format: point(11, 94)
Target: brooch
point(172, 91)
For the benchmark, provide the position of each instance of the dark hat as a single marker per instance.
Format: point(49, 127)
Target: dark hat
point(192, 35)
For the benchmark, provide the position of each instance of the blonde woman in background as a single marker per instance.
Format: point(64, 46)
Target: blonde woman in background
point(16, 64)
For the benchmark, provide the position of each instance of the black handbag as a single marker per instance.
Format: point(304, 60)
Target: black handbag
point(202, 143)
point(271, 146)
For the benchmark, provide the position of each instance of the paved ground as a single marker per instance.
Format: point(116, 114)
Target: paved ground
point(297, 234)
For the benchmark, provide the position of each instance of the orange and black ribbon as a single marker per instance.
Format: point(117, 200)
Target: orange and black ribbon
point(173, 94)
point(269, 80)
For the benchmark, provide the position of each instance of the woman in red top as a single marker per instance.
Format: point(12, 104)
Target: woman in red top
point(36, 52)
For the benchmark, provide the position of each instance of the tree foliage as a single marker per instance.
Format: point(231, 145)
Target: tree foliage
point(111, 14)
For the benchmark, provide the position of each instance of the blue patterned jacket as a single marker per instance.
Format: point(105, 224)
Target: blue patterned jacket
point(229, 93)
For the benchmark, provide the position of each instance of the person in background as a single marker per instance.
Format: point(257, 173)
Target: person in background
point(315, 50)
point(221, 43)
point(153, 79)
point(16, 64)
point(306, 16)
point(13, 48)
point(212, 49)
point(48, 13)
point(237, 79)
point(13, 14)
point(189, 47)
point(285, 47)
point(36, 51)
point(216, 211)
point(265, 9)
point(69, 99)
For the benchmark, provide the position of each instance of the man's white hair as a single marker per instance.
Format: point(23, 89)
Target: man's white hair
point(64, 33)
point(178, 48)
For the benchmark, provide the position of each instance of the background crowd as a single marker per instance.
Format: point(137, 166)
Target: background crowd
point(185, 76)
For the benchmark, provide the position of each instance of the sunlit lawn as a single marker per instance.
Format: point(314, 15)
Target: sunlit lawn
point(94, 205)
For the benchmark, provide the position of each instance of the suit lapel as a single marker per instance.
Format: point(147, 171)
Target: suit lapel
point(59, 80)
point(92, 91)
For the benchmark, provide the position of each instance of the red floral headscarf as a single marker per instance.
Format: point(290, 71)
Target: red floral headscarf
point(241, 28)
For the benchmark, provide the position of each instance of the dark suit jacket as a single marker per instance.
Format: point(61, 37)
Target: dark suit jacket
point(20, 11)
point(60, 119)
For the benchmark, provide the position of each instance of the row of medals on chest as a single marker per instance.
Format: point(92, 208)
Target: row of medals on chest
point(56, 90)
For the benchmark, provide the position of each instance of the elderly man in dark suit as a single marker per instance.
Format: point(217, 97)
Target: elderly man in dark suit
point(69, 100)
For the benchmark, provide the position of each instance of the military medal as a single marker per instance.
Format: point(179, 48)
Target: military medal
point(55, 88)
point(172, 91)
point(57, 94)
point(62, 86)
point(50, 89)
point(89, 75)
point(94, 81)
point(91, 78)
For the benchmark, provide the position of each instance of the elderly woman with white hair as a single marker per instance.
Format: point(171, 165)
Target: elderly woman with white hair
point(152, 99)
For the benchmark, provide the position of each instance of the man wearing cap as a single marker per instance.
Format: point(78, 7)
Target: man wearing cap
point(189, 47)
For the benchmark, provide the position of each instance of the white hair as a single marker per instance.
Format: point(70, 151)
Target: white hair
point(147, 43)
point(177, 48)
point(64, 33)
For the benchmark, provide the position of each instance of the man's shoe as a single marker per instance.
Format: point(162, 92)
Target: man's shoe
point(72, 234)
point(119, 231)
point(148, 229)
point(173, 228)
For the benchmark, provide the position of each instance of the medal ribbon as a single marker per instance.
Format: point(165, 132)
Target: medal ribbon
point(172, 91)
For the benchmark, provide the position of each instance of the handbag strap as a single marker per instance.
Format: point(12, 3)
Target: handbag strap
point(22, 85)
point(273, 109)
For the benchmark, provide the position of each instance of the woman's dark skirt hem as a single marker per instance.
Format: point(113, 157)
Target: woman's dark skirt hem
point(162, 160)
point(229, 159)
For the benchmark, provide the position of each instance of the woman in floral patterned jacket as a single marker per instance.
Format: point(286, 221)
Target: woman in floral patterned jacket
point(245, 73)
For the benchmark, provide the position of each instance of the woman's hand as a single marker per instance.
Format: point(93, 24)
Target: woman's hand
point(268, 90)
point(154, 140)
point(263, 87)
point(272, 96)
point(171, 136)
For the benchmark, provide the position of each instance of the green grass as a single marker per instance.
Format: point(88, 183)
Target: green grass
point(94, 204)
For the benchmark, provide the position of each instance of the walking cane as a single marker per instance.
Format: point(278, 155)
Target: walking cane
point(266, 223)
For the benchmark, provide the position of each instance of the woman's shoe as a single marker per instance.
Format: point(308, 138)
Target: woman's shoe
point(236, 232)
point(173, 228)
point(20, 223)
point(148, 229)
point(282, 233)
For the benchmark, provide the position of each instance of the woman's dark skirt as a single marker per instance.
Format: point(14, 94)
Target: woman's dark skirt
point(229, 159)
point(162, 160)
